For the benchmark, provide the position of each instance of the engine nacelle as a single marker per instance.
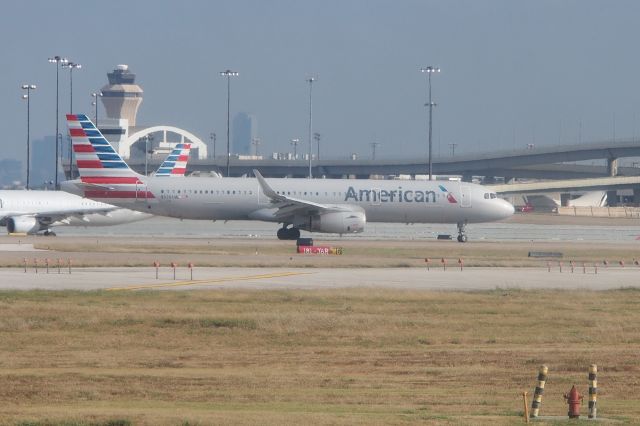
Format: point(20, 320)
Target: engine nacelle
point(351, 222)
point(23, 225)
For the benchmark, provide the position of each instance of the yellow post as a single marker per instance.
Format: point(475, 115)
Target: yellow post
point(593, 390)
point(526, 407)
point(537, 394)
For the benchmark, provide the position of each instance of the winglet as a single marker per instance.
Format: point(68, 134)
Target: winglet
point(268, 191)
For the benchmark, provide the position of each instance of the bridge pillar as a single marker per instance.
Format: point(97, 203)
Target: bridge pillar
point(467, 178)
point(612, 198)
point(564, 199)
point(612, 166)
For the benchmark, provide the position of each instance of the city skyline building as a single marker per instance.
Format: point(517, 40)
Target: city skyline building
point(245, 130)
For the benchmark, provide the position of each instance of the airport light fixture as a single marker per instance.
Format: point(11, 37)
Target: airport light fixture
point(256, 142)
point(213, 137)
point(95, 96)
point(71, 66)
point(316, 137)
point(228, 74)
point(27, 97)
point(59, 61)
point(430, 70)
point(374, 145)
point(310, 80)
point(295, 143)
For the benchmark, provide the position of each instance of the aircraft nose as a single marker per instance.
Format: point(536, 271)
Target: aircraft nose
point(507, 209)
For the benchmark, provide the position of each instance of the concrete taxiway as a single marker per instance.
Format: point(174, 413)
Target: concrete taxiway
point(136, 279)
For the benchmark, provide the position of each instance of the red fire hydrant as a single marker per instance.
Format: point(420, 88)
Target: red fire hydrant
point(573, 399)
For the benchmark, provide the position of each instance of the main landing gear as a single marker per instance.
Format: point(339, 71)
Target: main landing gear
point(462, 236)
point(285, 233)
point(49, 233)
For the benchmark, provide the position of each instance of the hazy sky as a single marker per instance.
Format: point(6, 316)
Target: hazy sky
point(513, 72)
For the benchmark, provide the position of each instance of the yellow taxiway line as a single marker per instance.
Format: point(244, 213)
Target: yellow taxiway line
point(209, 281)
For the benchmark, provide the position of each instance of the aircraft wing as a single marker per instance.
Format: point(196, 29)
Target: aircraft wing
point(289, 206)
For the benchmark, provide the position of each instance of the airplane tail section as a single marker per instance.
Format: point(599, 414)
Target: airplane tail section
point(175, 165)
point(101, 169)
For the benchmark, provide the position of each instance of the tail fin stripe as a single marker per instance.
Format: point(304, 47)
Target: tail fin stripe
point(83, 148)
point(111, 157)
point(98, 141)
point(89, 164)
point(102, 148)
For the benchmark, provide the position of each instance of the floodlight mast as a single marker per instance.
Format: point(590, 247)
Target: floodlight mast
point(430, 70)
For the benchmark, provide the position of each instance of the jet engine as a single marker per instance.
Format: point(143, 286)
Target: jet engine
point(23, 224)
point(350, 222)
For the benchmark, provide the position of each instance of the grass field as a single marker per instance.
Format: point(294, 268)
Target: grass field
point(311, 357)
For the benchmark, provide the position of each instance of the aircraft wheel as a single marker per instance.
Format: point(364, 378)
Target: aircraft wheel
point(295, 233)
point(462, 238)
point(282, 234)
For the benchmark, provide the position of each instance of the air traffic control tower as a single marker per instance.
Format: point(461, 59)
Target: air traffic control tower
point(122, 97)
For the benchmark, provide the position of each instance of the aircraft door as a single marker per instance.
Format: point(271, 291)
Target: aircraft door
point(465, 195)
point(141, 192)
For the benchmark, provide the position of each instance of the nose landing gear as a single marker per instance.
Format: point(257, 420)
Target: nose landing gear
point(462, 236)
point(285, 233)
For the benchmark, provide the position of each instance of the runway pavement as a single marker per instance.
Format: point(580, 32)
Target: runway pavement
point(136, 279)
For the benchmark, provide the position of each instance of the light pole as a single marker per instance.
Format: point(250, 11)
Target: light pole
point(316, 137)
point(146, 138)
point(58, 61)
point(28, 88)
point(256, 142)
point(228, 74)
point(310, 80)
point(374, 145)
point(71, 66)
point(95, 96)
point(212, 135)
point(430, 70)
point(295, 143)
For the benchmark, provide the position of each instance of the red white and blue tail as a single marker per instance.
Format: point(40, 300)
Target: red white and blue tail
point(175, 165)
point(103, 172)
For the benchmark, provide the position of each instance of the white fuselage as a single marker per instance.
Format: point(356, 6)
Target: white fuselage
point(59, 208)
point(382, 200)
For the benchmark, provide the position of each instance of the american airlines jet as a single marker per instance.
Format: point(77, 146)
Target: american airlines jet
point(33, 211)
point(339, 206)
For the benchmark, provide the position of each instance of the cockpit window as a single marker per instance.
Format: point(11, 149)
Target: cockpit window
point(493, 195)
point(486, 195)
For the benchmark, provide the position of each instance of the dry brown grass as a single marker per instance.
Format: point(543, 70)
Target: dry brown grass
point(301, 357)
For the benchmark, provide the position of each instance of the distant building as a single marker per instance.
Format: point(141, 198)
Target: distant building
point(11, 173)
point(43, 167)
point(245, 130)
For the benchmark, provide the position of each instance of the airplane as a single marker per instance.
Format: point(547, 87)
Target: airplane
point(340, 206)
point(32, 211)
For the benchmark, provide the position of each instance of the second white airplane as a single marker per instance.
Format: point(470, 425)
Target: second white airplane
point(339, 206)
point(34, 211)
